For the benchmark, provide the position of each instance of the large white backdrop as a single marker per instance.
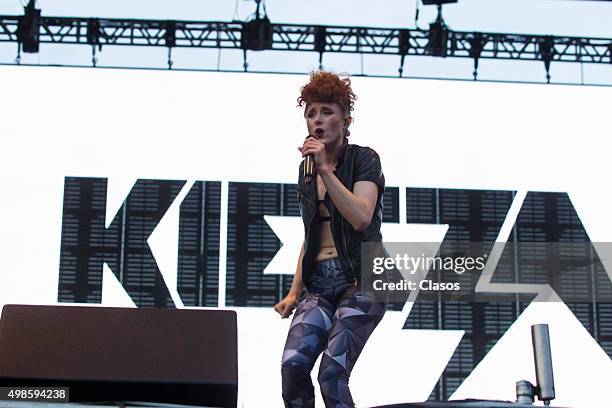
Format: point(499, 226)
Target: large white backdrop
point(130, 124)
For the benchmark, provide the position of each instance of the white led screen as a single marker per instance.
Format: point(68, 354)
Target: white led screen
point(121, 126)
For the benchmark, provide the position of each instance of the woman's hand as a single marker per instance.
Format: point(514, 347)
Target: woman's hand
point(313, 146)
point(285, 307)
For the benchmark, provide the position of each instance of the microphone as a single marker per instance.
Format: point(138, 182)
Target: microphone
point(309, 166)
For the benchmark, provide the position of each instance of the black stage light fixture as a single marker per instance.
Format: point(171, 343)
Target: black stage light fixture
point(93, 31)
point(546, 51)
point(257, 33)
point(320, 40)
point(403, 42)
point(438, 31)
point(28, 28)
point(438, 37)
point(170, 35)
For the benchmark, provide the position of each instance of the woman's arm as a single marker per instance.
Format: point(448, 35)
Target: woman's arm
point(297, 285)
point(285, 306)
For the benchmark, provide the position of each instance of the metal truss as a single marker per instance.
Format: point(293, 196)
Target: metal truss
point(260, 34)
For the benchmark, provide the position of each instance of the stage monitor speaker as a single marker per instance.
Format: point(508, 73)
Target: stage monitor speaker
point(186, 357)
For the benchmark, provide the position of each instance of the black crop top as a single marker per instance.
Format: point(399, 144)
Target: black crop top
point(318, 217)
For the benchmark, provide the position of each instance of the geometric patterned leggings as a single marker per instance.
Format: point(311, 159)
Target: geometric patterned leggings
point(335, 318)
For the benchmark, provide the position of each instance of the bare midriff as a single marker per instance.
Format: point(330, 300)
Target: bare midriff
point(327, 248)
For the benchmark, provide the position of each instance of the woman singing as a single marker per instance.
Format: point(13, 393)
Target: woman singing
point(341, 207)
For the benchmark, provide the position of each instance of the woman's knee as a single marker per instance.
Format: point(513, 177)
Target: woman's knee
point(330, 372)
point(295, 366)
point(297, 388)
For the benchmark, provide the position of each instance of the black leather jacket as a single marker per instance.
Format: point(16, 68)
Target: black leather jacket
point(355, 163)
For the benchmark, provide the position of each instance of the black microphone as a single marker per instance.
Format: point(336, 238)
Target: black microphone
point(309, 166)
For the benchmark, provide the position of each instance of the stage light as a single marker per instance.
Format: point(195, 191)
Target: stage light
point(28, 28)
point(476, 46)
point(320, 39)
point(403, 42)
point(257, 33)
point(437, 37)
point(438, 31)
point(402, 48)
point(93, 32)
point(546, 52)
point(170, 35)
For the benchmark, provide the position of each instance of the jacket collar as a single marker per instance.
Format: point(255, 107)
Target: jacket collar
point(342, 152)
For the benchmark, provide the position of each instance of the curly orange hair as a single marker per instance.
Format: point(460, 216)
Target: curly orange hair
point(325, 86)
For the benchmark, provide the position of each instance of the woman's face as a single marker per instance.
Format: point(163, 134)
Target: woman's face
point(325, 121)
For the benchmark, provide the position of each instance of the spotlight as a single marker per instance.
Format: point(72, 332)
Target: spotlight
point(28, 28)
point(93, 31)
point(319, 39)
point(438, 31)
point(437, 37)
point(170, 33)
point(257, 33)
